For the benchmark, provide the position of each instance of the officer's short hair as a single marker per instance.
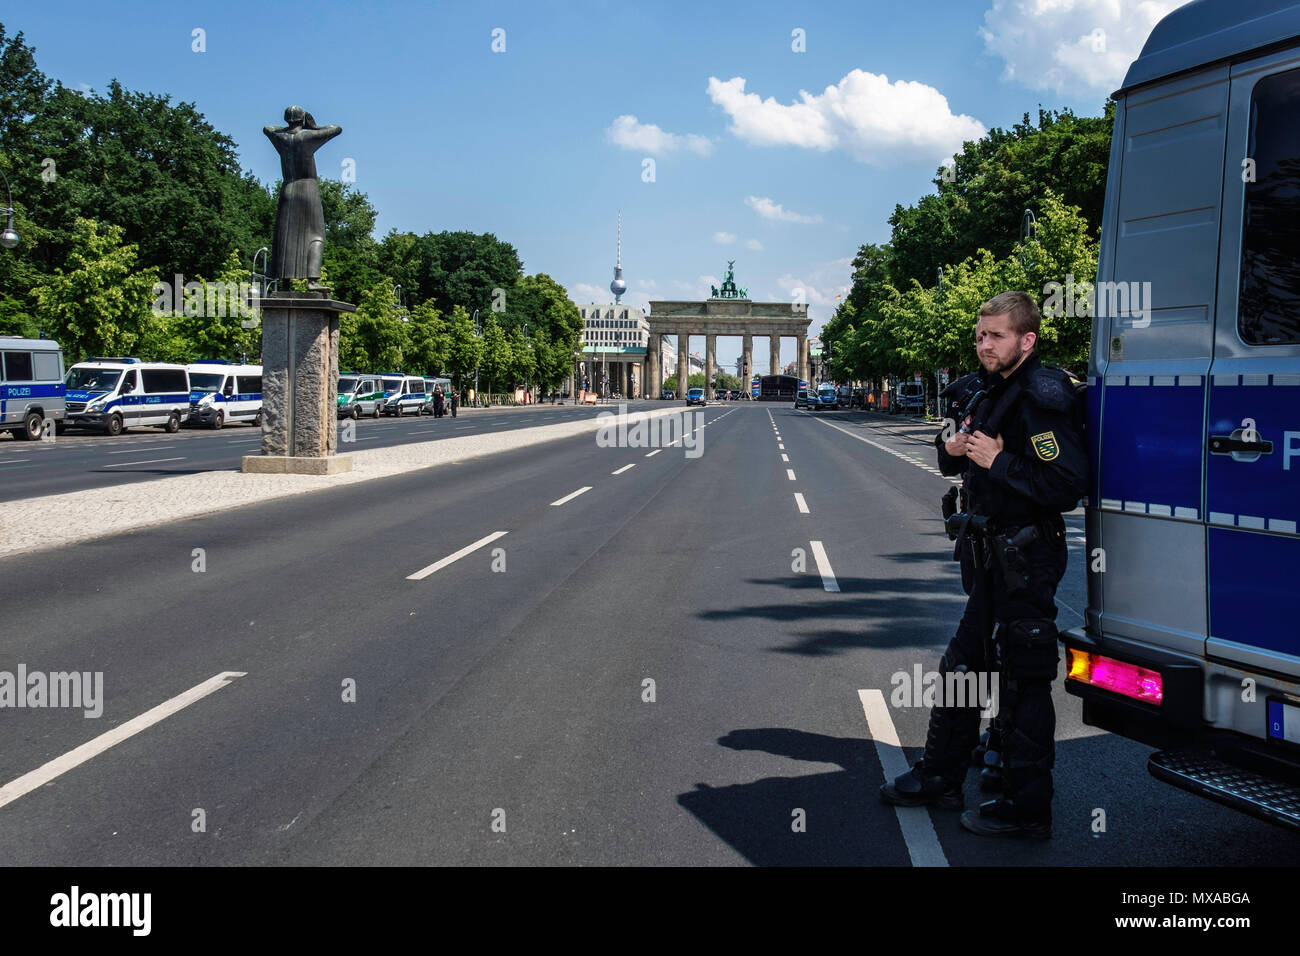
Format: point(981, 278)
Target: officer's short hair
point(1019, 306)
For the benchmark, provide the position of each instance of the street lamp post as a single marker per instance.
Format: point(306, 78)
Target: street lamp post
point(478, 337)
point(9, 238)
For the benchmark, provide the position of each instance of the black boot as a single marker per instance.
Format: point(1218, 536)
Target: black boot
point(1003, 818)
point(921, 787)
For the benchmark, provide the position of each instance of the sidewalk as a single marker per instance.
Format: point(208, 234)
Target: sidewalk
point(55, 520)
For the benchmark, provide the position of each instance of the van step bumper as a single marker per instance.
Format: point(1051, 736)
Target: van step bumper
point(1207, 776)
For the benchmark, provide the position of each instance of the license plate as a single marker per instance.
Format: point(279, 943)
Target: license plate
point(1283, 721)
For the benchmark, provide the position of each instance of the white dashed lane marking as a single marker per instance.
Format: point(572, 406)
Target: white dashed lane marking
point(423, 573)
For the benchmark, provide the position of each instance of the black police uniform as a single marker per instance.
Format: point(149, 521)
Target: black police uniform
point(1041, 472)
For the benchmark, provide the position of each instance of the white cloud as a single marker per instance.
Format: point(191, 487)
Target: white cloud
point(627, 132)
point(699, 289)
point(645, 283)
point(1070, 46)
point(724, 238)
point(865, 115)
point(775, 211)
point(753, 245)
point(584, 294)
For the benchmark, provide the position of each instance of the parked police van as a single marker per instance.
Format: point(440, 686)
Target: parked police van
point(429, 385)
point(1192, 639)
point(359, 394)
point(31, 386)
point(403, 394)
point(221, 392)
point(113, 394)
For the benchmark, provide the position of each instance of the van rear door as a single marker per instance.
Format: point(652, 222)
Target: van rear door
point(1252, 465)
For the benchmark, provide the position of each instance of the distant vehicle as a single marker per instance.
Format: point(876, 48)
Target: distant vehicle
point(220, 393)
point(115, 393)
point(669, 393)
point(403, 394)
point(801, 398)
point(733, 394)
point(429, 385)
point(695, 396)
point(909, 397)
point(359, 395)
point(31, 386)
point(828, 397)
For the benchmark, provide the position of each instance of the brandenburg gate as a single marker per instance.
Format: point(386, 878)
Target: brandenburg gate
point(728, 311)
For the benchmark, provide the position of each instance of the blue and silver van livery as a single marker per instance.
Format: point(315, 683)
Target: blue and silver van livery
point(1191, 641)
point(111, 395)
point(221, 393)
point(403, 394)
point(429, 385)
point(31, 386)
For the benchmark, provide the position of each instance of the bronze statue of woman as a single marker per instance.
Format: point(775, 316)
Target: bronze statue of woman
point(299, 220)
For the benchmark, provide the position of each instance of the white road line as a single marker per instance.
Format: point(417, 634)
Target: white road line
point(918, 829)
point(92, 748)
point(623, 469)
point(780, 447)
point(152, 461)
point(803, 505)
point(139, 448)
point(237, 441)
point(570, 497)
point(423, 573)
point(655, 452)
point(14, 461)
point(824, 567)
point(785, 458)
point(789, 473)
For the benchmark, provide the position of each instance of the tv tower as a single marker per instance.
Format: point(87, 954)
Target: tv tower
point(618, 286)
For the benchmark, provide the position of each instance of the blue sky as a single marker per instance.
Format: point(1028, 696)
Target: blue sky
point(784, 161)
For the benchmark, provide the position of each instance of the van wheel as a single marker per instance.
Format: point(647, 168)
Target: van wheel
point(32, 427)
point(216, 422)
point(376, 412)
point(114, 426)
point(257, 419)
point(173, 424)
point(354, 413)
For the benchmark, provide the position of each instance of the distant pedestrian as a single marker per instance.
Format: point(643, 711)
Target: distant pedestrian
point(437, 402)
point(454, 403)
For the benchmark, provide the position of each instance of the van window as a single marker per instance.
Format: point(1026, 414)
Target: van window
point(347, 386)
point(128, 382)
point(229, 388)
point(160, 381)
point(1269, 308)
point(46, 366)
point(250, 385)
point(18, 366)
point(205, 381)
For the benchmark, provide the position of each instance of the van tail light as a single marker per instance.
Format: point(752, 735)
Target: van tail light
point(1128, 680)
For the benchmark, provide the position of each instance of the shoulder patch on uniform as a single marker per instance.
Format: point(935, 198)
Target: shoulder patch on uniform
point(1045, 446)
point(1050, 389)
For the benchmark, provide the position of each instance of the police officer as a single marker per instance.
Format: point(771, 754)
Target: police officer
point(1021, 453)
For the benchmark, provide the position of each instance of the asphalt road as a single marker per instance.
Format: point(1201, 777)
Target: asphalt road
point(79, 459)
point(502, 713)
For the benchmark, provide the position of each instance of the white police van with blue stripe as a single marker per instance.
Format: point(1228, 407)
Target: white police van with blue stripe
point(221, 393)
point(1192, 636)
point(403, 394)
point(31, 386)
point(113, 394)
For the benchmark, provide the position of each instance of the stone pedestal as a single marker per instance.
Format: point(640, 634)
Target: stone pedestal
point(300, 371)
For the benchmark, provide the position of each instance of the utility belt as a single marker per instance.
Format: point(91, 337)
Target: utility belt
point(997, 545)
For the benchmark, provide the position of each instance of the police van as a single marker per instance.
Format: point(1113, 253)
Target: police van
point(359, 394)
point(221, 392)
point(403, 394)
point(112, 394)
point(429, 385)
point(1191, 642)
point(31, 386)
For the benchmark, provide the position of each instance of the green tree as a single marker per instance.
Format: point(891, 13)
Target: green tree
point(429, 340)
point(101, 302)
point(463, 347)
point(461, 268)
point(495, 361)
